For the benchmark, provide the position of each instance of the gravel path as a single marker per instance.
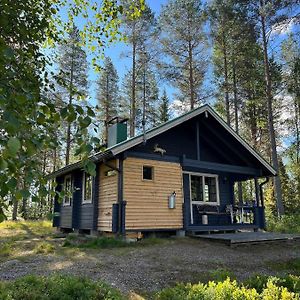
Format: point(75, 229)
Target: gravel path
point(151, 268)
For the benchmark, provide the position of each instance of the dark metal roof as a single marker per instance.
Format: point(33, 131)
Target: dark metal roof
point(129, 143)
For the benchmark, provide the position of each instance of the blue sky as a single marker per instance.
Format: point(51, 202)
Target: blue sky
point(122, 63)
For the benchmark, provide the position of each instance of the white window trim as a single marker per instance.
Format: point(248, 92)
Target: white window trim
point(203, 181)
point(86, 201)
point(69, 203)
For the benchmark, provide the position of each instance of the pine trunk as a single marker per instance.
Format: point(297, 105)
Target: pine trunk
point(191, 77)
point(106, 109)
point(227, 106)
point(236, 119)
point(133, 101)
point(272, 136)
point(68, 146)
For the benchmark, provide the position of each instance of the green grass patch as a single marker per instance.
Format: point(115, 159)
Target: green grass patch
point(6, 249)
point(44, 248)
point(20, 230)
point(88, 242)
point(221, 275)
point(291, 265)
point(94, 243)
point(57, 287)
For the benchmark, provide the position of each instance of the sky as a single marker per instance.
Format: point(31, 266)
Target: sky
point(116, 53)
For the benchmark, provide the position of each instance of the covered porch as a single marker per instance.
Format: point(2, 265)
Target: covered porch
point(212, 201)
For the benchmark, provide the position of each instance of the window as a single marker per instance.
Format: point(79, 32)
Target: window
point(87, 192)
point(147, 173)
point(204, 189)
point(68, 190)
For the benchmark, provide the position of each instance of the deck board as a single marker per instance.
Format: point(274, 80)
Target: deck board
point(249, 237)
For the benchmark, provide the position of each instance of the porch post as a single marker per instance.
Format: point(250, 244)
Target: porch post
point(257, 196)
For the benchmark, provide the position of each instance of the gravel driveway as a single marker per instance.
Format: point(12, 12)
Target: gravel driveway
point(150, 268)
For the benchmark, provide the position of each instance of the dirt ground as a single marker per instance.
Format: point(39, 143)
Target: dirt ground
point(152, 267)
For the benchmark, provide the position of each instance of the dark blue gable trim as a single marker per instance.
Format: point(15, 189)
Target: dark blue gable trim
point(217, 167)
point(152, 156)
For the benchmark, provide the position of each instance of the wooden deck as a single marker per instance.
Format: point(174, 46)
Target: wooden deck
point(212, 228)
point(248, 237)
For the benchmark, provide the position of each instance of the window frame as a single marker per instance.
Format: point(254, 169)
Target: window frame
point(86, 201)
point(152, 173)
point(217, 203)
point(203, 175)
point(69, 203)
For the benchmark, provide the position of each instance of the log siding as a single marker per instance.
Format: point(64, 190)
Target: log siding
point(147, 200)
point(108, 195)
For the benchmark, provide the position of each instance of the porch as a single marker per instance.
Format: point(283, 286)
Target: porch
point(212, 203)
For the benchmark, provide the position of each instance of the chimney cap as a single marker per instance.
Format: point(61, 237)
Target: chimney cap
point(117, 120)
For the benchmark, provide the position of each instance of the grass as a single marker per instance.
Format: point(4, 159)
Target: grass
point(85, 242)
point(291, 266)
point(17, 238)
point(44, 248)
point(70, 287)
point(57, 287)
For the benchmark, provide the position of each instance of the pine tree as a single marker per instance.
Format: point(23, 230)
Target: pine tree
point(270, 14)
point(108, 93)
point(164, 114)
point(147, 93)
point(140, 34)
point(72, 78)
point(184, 42)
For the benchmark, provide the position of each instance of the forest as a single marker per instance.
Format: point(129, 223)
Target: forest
point(241, 57)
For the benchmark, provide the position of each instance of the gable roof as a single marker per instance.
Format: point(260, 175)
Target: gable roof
point(129, 143)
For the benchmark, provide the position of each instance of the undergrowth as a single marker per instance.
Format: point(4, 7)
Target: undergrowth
point(284, 224)
point(57, 287)
point(259, 288)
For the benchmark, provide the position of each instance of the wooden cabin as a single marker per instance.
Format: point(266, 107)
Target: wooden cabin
point(177, 177)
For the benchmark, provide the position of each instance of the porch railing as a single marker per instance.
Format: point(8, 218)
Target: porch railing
point(230, 215)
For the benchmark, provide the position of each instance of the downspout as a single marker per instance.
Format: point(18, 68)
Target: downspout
point(262, 201)
point(121, 202)
point(261, 191)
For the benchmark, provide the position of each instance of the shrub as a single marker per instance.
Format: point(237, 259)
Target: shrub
point(259, 282)
point(284, 224)
point(221, 275)
point(227, 290)
point(57, 287)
